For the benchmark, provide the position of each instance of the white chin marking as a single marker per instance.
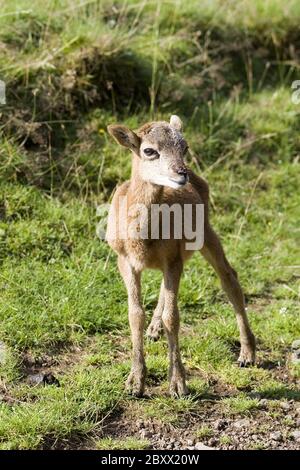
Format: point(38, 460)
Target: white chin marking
point(165, 181)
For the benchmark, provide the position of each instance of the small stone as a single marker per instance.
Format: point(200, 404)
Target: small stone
point(220, 424)
point(190, 442)
point(285, 406)
point(111, 23)
point(212, 441)
point(43, 379)
point(295, 344)
point(140, 424)
point(190, 447)
point(276, 436)
point(151, 427)
point(200, 446)
point(241, 423)
point(295, 357)
point(145, 434)
point(296, 435)
point(263, 403)
point(35, 379)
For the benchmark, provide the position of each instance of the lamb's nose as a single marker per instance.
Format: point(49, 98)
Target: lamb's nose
point(182, 171)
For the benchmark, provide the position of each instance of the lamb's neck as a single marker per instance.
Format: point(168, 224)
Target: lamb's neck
point(143, 192)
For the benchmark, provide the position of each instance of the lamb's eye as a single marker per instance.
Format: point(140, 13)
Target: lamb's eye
point(151, 152)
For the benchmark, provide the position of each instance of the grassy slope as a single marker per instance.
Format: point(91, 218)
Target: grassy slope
point(62, 301)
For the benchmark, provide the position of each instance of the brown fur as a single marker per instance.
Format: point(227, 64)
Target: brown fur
point(135, 255)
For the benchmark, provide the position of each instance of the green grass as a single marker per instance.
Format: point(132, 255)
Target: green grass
point(225, 440)
point(39, 416)
point(165, 409)
point(258, 446)
point(129, 443)
point(204, 432)
point(239, 405)
point(71, 68)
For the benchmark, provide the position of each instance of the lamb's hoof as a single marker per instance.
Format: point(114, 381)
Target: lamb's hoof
point(154, 331)
point(246, 358)
point(135, 383)
point(178, 387)
point(246, 363)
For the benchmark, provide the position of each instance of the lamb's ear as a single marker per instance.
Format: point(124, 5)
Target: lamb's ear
point(176, 122)
point(124, 136)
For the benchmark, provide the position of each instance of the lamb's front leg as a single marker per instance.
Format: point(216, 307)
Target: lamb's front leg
point(136, 380)
point(170, 320)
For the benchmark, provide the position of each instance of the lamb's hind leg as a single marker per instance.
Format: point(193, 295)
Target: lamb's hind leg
point(213, 252)
point(132, 279)
point(155, 329)
point(170, 320)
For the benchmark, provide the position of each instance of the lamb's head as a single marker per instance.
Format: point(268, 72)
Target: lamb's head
point(160, 147)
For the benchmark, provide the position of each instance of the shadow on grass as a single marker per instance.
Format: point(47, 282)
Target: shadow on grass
point(269, 365)
point(279, 392)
